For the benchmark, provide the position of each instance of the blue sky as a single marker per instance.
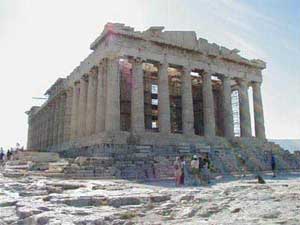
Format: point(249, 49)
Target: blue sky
point(43, 40)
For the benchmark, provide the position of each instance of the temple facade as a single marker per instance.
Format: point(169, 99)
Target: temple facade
point(151, 87)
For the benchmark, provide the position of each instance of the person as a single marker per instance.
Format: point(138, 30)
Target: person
point(195, 170)
point(1, 155)
point(195, 164)
point(8, 154)
point(177, 171)
point(243, 164)
point(273, 164)
point(182, 166)
point(205, 169)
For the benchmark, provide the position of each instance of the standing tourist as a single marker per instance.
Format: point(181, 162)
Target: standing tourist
point(8, 154)
point(1, 155)
point(205, 169)
point(195, 170)
point(182, 163)
point(177, 171)
point(273, 164)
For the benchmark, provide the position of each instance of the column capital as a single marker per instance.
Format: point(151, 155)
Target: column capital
point(225, 77)
point(93, 71)
point(85, 77)
point(242, 81)
point(186, 68)
point(256, 83)
point(207, 73)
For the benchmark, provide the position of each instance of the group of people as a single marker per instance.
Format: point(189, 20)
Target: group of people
point(192, 172)
point(9, 154)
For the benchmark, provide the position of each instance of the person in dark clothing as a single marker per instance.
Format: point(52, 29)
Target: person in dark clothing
point(273, 164)
point(8, 154)
point(1, 155)
point(182, 170)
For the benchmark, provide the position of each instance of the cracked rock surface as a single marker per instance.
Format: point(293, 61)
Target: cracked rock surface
point(41, 200)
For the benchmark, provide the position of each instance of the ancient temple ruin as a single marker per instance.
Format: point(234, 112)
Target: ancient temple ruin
point(142, 98)
point(149, 87)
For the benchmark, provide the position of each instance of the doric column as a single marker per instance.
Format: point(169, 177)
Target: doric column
point(47, 114)
point(187, 102)
point(61, 122)
point(258, 111)
point(164, 120)
point(227, 107)
point(100, 104)
point(91, 102)
point(29, 133)
point(208, 106)
point(245, 120)
point(74, 116)
point(112, 114)
point(38, 131)
point(45, 124)
point(68, 114)
point(137, 97)
point(50, 122)
point(82, 106)
point(56, 121)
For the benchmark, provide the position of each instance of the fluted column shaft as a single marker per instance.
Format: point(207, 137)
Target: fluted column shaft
point(61, 121)
point(29, 134)
point(137, 97)
point(208, 106)
point(74, 116)
point(227, 108)
point(45, 127)
point(91, 102)
point(187, 102)
point(82, 107)
point(245, 120)
point(164, 120)
point(50, 122)
point(68, 114)
point(258, 111)
point(56, 121)
point(100, 98)
point(112, 114)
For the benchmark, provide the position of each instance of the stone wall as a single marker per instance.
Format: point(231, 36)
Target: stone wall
point(156, 162)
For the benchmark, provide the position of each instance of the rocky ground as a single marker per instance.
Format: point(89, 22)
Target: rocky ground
point(41, 200)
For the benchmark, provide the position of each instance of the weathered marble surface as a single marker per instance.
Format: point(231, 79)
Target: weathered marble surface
point(39, 200)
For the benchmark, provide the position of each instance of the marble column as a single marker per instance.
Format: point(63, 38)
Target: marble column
point(29, 133)
point(45, 124)
point(61, 122)
point(50, 121)
point(227, 107)
point(74, 116)
point(100, 98)
point(68, 114)
point(164, 120)
point(187, 102)
point(112, 113)
point(208, 106)
point(56, 118)
point(91, 102)
point(258, 111)
point(82, 106)
point(137, 97)
point(245, 120)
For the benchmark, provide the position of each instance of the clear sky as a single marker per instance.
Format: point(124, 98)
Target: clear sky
point(43, 40)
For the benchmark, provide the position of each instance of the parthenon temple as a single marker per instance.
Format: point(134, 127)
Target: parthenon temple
point(151, 87)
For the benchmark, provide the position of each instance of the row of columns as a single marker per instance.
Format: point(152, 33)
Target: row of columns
point(50, 126)
point(96, 102)
point(92, 106)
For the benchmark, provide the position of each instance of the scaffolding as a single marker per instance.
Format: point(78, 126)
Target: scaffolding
point(236, 113)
